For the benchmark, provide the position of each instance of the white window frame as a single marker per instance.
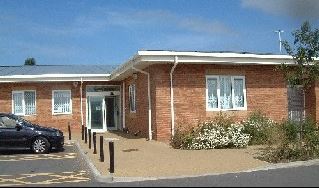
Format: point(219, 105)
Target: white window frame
point(23, 102)
point(61, 113)
point(218, 93)
point(131, 86)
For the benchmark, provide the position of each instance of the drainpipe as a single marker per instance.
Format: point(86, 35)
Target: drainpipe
point(123, 105)
point(81, 102)
point(149, 101)
point(172, 96)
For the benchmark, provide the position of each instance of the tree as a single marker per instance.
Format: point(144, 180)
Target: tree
point(304, 51)
point(30, 61)
point(306, 48)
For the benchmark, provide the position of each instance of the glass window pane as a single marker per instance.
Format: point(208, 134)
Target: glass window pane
point(18, 103)
point(239, 92)
point(225, 92)
point(62, 102)
point(212, 93)
point(132, 98)
point(29, 99)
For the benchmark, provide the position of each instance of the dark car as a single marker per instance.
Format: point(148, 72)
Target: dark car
point(18, 133)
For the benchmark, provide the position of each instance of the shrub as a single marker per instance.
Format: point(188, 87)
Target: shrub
point(220, 132)
point(294, 143)
point(259, 127)
point(212, 135)
point(182, 138)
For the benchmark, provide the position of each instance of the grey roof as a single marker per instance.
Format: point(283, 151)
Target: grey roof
point(55, 69)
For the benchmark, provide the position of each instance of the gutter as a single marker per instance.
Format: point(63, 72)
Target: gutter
point(81, 102)
point(149, 101)
point(172, 96)
point(123, 105)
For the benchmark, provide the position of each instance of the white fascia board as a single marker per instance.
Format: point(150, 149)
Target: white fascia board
point(54, 78)
point(145, 58)
point(124, 67)
point(216, 60)
point(211, 54)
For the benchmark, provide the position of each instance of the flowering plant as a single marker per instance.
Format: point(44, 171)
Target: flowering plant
point(212, 135)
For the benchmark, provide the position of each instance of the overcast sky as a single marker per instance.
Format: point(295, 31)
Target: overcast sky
point(112, 31)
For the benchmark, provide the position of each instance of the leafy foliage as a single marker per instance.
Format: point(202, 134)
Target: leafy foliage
point(306, 48)
point(220, 132)
point(259, 127)
point(30, 61)
point(294, 144)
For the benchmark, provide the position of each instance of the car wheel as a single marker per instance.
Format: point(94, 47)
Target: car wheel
point(40, 145)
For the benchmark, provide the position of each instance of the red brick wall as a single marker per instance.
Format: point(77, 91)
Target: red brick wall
point(44, 102)
point(310, 101)
point(137, 122)
point(266, 91)
point(161, 114)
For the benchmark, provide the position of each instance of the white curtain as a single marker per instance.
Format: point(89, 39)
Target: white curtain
point(212, 93)
point(238, 92)
point(225, 92)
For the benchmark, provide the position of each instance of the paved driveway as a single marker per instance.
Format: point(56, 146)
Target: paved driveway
point(22, 168)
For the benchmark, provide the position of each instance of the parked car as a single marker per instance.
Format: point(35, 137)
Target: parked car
point(18, 133)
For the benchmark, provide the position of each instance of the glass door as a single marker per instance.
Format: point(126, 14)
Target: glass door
point(110, 113)
point(96, 112)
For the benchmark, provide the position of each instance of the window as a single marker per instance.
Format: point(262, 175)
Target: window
point(225, 93)
point(61, 102)
point(132, 98)
point(23, 102)
point(7, 123)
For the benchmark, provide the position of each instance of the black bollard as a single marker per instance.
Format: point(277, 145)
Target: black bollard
point(69, 129)
point(82, 132)
point(101, 149)
point(94, 142)
point(90, 139)
point(111, 148)
point(86, 135)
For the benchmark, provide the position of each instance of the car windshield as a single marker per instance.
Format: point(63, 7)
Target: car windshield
point(20, 119)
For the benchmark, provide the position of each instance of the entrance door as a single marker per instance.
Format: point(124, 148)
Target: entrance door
point(110, 113)
point(96, 113)
point(103, 112)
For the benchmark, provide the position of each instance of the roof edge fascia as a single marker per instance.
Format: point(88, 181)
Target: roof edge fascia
point(55, 78)
point(201, 58)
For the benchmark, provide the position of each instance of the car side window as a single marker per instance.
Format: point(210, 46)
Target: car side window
point(6, 122)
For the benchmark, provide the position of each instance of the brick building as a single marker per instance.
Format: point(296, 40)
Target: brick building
point(151, 93)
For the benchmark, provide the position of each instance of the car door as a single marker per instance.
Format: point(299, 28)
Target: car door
point(2, 133)
point(10, 136)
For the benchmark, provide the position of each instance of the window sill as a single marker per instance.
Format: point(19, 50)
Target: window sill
point(24, 115)
point(57, 114)
point(225, 110)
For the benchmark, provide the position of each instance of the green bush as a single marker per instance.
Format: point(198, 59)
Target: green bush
point(182, 138)
point(259, 127)
point(219, 132)
point(298, 141)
